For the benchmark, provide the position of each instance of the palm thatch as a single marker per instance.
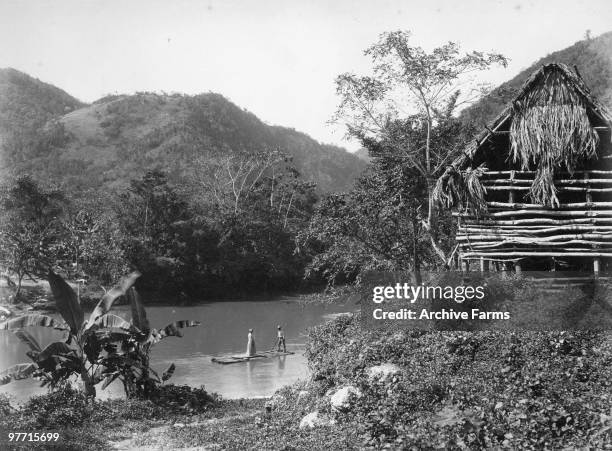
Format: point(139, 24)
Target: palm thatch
point(462, 189)
point(551, 131)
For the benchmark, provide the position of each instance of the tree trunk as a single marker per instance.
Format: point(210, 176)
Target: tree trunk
point(416, 266)
point(88, 385)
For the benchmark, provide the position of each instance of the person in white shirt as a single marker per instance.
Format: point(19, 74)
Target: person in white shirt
point(250, 352)
point(280, 340)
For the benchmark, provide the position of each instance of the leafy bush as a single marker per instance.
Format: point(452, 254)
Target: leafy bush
point(65, 407)
point(469, 389)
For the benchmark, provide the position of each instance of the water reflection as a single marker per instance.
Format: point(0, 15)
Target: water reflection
point(224, 329)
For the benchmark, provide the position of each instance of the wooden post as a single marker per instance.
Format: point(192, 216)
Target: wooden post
point(518, 268)
point(596, 265)
point(484, 265)
point(465, 265)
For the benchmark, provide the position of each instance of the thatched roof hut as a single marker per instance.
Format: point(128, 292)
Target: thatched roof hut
point(535, 185)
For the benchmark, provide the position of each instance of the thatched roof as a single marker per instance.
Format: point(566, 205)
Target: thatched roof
point(550, 123)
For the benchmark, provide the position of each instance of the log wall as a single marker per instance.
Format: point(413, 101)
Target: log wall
point(514, 229)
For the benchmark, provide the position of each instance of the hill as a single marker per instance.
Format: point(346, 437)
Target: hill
point(27, 105)
point(592, 58)
point(118, 138)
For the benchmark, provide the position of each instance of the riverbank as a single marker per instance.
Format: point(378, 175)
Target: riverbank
point(401, 389)
point(265, 423)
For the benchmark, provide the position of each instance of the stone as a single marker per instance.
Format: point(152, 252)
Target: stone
point(302, 394)
point(313, 420)
point(383, 371)
point(342, 399)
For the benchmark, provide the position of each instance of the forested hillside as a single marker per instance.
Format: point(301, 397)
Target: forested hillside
point(591, 57)
point(54, 137)
point(28, 106)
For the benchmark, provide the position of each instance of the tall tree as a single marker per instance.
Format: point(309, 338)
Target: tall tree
point(412, 92)
point(29, 228)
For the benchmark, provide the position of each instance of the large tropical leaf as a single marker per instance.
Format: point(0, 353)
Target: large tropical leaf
point(17, 372)
point(110, 379)
point(111, 295)
point(113, 321)
point(28, 339)
point(67, 302)
point(173, 329)
point(30, 321)
point(139, 314)
point(168, 373)
point(58, 348)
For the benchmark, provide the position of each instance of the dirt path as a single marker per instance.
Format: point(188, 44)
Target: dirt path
point(159, 435)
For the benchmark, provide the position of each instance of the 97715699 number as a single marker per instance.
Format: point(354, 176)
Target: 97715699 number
point(33, 436)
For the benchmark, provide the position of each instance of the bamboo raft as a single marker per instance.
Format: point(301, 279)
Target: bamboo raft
point(242, 358)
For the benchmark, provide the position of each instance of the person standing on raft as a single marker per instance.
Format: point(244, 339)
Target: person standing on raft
point(280, 340)
point(250, 352)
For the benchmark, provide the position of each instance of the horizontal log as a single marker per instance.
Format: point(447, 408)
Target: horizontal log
point(536, 221)
point(487, 182)
point(584, 236)
point(559, 188)
point(501, 214)
point(589, 171)
point(538, 206)
point(536, 254)
point(530, 229)
point(498, 243)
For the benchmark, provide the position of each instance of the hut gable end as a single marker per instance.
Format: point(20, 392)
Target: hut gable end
point(536, 184)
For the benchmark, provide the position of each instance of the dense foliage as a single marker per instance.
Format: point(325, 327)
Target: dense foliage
point(460, 390)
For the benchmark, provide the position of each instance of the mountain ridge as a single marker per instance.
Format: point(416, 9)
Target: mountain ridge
point(118, 137)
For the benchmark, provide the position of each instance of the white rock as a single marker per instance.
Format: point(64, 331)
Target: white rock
point(313, 420)
point(383, 371)
point(341, 400)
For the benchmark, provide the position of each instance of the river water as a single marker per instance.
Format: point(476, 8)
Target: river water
point(223, 331)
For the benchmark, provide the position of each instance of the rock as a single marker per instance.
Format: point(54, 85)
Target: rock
point(179, 425)
point(302, 395)
point(383, 371)
point(342, 399)
point(313, 420)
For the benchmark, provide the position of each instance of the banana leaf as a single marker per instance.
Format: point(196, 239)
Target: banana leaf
point(110, 379)
point(58, 348)
point(28, 339)
point(113, 321)
point(30, 321)
point(173, 329)
point(111, 295)
point(139, 314)
point(17, 372)
point(168, 373)
point(67, 302)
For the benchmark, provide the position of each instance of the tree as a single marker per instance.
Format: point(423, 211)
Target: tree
point(30, 228)
point(409, 95)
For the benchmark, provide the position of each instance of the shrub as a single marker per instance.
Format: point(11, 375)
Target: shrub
point(65, 407)
point(469, 389)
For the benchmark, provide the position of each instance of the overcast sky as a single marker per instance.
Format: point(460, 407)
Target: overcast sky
point(276, 58)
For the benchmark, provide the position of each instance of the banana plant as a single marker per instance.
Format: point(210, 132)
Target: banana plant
point(132, 364)
point(82, 352)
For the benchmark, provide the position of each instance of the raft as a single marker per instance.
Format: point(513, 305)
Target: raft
point(242, 358)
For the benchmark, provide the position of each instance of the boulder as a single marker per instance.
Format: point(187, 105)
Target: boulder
point(342, 399)
point(383, 371)
point(313, 420)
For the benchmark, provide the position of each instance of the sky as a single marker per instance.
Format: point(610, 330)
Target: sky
point(275, 58)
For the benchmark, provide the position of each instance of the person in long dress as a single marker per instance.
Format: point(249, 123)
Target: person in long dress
point(250, 352)
point(280, 339)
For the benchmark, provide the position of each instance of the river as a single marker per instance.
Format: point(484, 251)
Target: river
point(223, 331)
